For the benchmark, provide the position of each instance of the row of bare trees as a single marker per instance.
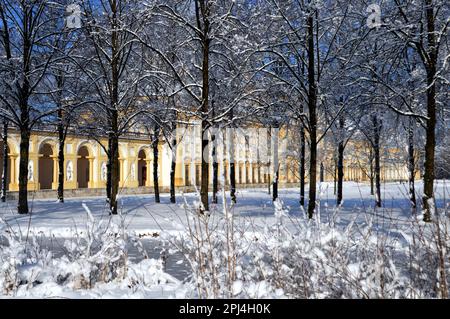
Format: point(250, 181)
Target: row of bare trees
point(338, 70)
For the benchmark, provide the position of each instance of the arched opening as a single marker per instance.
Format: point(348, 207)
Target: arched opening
point(142, 168)
point(45, 166)
point(83, 167)
point(8, 173)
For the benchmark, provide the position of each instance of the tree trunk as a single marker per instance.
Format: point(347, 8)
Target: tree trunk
point(276, 165)
point(61, 143)
point(269, 156)
point(371, 177)
point(302, 165)
point(22, 207)
point(275, 185)
point(335, 174)
point(155, 163)
point(7, 47)
point(113, 113)
point(376, 148)
point(430, 143)
point(233, 182)
point(172, 182)
point(340, 164)
point(230, 140)
point(214, 159)
point(5, 160)
point(204, 125)
point(340, 173)
point(215, 168)
point(312, 104)
point(108, 169)
point(115, 173)
point(411, 166)
point(322, 173)
point(25, 129)
point(173, 165)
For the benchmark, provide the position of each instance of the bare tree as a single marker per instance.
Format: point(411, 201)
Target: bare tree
point(29, 40)
point(423, 27)
point(114, 72)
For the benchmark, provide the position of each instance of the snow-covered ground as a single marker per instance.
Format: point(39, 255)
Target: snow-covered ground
point(143, 216)
point(33, 268)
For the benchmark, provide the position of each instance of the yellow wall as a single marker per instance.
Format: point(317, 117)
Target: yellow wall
point(248, 167)
point(128, 157)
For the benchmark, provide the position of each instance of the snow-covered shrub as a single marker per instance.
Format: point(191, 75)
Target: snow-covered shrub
point(148, 272)
point(12, 256)
point(91, 258)
point(203, 245)
point(97, 255)
point(216, 248)
point(313, 259)
point(325, 261)
point(428, 258)
point(23, 261)
point(289, 256)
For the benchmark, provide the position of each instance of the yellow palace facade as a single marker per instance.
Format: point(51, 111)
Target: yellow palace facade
point(85, 160)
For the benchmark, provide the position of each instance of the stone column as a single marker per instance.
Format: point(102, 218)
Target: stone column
point(13, 183)
point(192, 167)
point(55, 172)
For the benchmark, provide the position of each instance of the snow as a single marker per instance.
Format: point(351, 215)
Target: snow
point(143, 217)
point(146, 280)
point(270, 242)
